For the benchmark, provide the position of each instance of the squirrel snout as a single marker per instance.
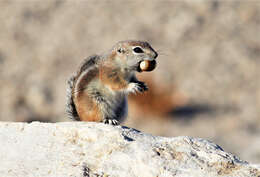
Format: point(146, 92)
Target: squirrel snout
point(155, 55)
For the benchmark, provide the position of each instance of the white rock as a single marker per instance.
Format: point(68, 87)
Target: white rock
point(93, 149)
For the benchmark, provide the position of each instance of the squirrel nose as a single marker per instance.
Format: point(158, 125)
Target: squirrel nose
point(155, 54)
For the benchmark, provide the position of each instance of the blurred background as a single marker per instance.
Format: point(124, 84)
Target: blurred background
point(206, 83)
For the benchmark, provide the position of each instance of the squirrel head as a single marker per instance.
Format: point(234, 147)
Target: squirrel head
point(129, 54)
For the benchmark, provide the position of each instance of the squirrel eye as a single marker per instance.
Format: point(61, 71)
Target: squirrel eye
point(138, 50)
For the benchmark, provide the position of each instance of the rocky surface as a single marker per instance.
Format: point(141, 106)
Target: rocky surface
point(93, 149)
point(208, 58)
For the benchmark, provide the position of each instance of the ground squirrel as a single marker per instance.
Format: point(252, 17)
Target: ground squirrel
point(98, 91)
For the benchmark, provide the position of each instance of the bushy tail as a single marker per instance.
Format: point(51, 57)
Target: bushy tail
point(70, 106)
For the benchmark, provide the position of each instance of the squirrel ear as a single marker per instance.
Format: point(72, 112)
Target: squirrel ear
point(120, 50)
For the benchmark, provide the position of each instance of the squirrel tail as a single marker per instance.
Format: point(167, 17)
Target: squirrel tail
point(70, 106)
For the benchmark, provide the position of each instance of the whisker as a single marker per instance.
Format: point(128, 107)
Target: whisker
point(161, 52)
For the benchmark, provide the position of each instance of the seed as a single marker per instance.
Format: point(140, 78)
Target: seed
point(147, 65)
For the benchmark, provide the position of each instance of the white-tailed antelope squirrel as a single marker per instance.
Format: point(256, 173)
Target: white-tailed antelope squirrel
point(98, 91)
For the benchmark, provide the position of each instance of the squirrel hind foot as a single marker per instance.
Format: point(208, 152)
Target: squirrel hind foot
point(111, 121)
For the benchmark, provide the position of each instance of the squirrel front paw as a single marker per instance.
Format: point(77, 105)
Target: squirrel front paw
point(137, 87)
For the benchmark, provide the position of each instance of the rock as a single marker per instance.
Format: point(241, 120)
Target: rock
point(94, 149)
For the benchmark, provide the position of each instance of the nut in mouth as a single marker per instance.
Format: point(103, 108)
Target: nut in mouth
point(147, 65)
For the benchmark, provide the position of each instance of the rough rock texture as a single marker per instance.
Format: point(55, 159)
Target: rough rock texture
point(94, 149)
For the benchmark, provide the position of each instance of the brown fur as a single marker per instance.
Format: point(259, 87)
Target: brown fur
point(87, 109)
point(98, 91)
point(113, 78)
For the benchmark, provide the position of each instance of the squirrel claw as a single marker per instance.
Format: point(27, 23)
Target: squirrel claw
point(143, 86)
point(110, 121)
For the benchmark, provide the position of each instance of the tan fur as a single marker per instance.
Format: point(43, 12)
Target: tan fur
point(98, 90)
point(113, 78)
point(87, 109)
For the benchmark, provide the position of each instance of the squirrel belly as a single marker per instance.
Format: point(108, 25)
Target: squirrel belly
point(98, 91)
